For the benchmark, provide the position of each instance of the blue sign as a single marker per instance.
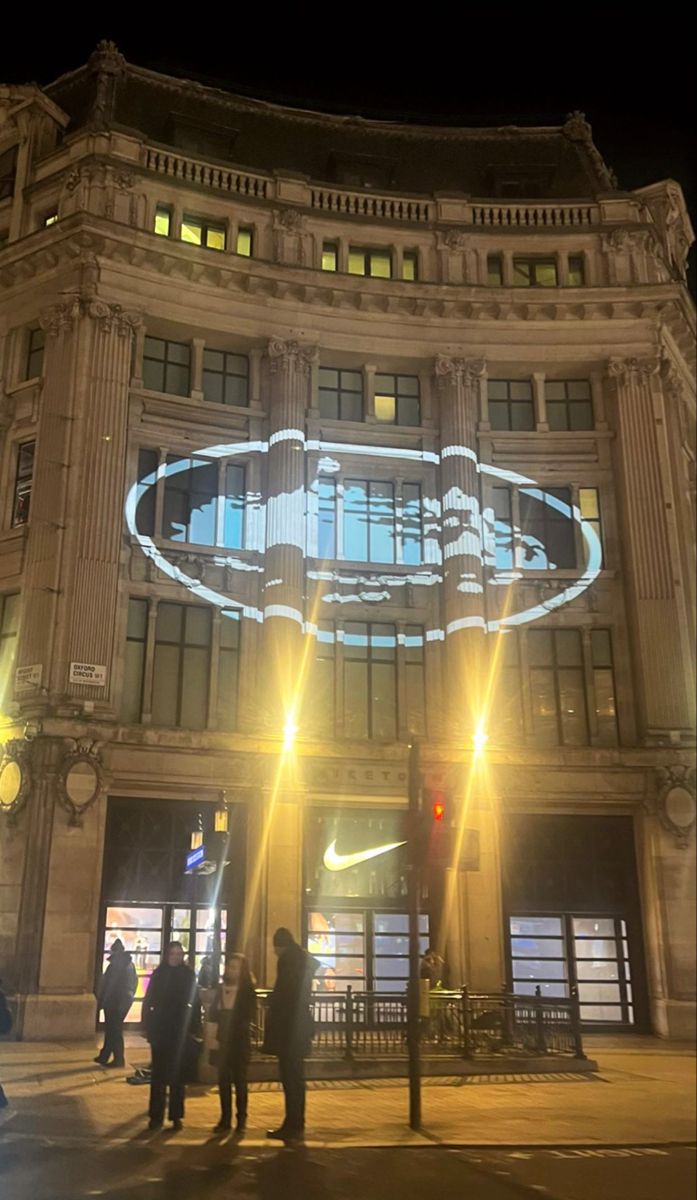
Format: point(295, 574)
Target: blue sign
point(195, 857)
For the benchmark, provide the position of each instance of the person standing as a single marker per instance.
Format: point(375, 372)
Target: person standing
point(115, 996)
point(5, 1027)
point(233, 1010)
point(172, 1022)
point(289, 1028)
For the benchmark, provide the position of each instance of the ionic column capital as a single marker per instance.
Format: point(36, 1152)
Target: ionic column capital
point(451, 371)
point(622, 371)
point(289, 355)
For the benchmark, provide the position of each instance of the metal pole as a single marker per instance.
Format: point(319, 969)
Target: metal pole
point(414, 896)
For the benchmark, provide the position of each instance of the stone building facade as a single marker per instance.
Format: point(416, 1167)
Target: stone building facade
point(319, 434)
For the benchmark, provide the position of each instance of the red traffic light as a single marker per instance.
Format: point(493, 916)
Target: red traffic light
point(438, 810)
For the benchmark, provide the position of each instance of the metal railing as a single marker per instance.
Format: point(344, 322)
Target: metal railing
point(362, 1025)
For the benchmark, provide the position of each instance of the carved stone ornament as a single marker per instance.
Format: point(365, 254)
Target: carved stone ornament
point(289, 220)
point(109, 317)
point(624, 370)
point(675, 804)
point(80, 778)
point(449, 371)
point(454, 239)
point(291, 356)
point(577, 129)
point(15, 777)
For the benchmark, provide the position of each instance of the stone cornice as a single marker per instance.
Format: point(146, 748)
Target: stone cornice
point(79, 235)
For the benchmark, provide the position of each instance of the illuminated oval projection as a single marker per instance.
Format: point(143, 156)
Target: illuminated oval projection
point(466, 531)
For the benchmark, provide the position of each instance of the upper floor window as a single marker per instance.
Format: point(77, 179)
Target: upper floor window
point(367, 520)
point(367, 261)
point(184, 639)
point(511, 405)
point(569, 404)
point(9, 622)
point(166, 366)
point(397, 399)
point(535, 529)
point(340, 394)
point(49, 218)
point(576, 270)
point(370, 680)
point(8, 165)
point(557, 687)
point(200, 232)
point(204, 502)
point(330, 256)
point(507, 711)
point(244, 242)
point(225, 378)
point(494, 270)
point(163, 220)
point(23, 483)
point(410, 265)
point(36, 341)
point(534, 272)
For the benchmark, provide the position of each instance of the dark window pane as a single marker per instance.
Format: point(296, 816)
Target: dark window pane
point(499, 417)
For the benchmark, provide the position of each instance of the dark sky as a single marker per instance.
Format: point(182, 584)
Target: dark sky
point(634, 81)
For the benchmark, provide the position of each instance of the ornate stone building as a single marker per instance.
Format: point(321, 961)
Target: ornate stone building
point(319, 434)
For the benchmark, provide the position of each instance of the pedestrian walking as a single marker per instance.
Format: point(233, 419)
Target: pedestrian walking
point(290, 1027)
point(115, 996)
point(172, 1024)
point(233, 1010)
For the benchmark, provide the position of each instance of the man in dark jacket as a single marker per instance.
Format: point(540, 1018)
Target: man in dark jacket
point(289, 1028)
point(115, 996)
point(5, 1027)
point(172, 1024)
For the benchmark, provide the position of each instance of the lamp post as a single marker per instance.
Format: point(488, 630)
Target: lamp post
point(221, 826)
point(196, 842)
point(414, 898)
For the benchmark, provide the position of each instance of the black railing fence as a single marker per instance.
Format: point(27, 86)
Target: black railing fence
point(355, 1025)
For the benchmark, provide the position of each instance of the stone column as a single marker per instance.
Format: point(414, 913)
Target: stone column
point(652, 568)
point(289, 365)
point(459, 383)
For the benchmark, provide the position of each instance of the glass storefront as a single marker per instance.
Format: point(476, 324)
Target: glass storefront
point(356, 920)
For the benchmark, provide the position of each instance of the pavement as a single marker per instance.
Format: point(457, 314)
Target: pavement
point(643, 1093)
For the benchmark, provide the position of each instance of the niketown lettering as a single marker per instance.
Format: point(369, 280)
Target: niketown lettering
point(342, 862)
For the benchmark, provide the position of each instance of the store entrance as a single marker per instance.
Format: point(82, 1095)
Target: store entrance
point(147, 897)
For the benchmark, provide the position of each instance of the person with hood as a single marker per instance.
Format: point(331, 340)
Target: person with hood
point(115, 995)
point(172, 1024)
point(233, 1010)
point(290, 1028)
point(5, 1027)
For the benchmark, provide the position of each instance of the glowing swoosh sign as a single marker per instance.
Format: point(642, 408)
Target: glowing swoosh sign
point(283, 520)
point(342, 862)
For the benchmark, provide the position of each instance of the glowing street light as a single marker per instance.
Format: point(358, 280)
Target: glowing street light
point(480, 738)
point(290, 729)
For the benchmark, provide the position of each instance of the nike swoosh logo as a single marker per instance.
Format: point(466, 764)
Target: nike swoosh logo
point(341, 862)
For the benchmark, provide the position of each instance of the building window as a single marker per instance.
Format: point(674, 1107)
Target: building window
point(557, 687)
point(547, 531)
point(369, 521)
point(244, 242)
point(576, 271)
point(35, 354)
point(412, 524)
point(415, 679)
point(589, 507)
point(319, 715)
point(163, 220)
point(202, 508)
point(376, 525)
point(370, 681)
point(410, 265)
point(397, 399)
point(8, 164)
point(504, 546)
point(330, 256)
point(49, 219)
point(225, 378)
point(511, 405)
point(148, 462)
point(604, 687)
point(181, 667)
point(364, 261)
point(199, 232)
point(134, 663)
point(340, 394)
point(326, 518)
point(494, 270)
point(9, 622)
point(534, 272)
point(166, 366)
point(569, 404)
point(23, 483)
point(507, 714)
point(228, 669)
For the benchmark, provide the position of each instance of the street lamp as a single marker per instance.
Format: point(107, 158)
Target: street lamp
point(290, 730)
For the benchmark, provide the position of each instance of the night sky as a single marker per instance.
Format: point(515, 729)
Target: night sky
point(633, 78)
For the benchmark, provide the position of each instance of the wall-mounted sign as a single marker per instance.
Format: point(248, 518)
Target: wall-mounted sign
point(87, 673)
point(27, 678)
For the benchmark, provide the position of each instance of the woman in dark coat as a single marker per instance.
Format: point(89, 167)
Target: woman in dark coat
point(233, 1010)
point(172, 1020)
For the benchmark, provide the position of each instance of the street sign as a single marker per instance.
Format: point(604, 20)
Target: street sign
point(194, 858)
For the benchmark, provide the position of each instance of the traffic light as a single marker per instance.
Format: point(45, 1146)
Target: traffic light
point(438, 807)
